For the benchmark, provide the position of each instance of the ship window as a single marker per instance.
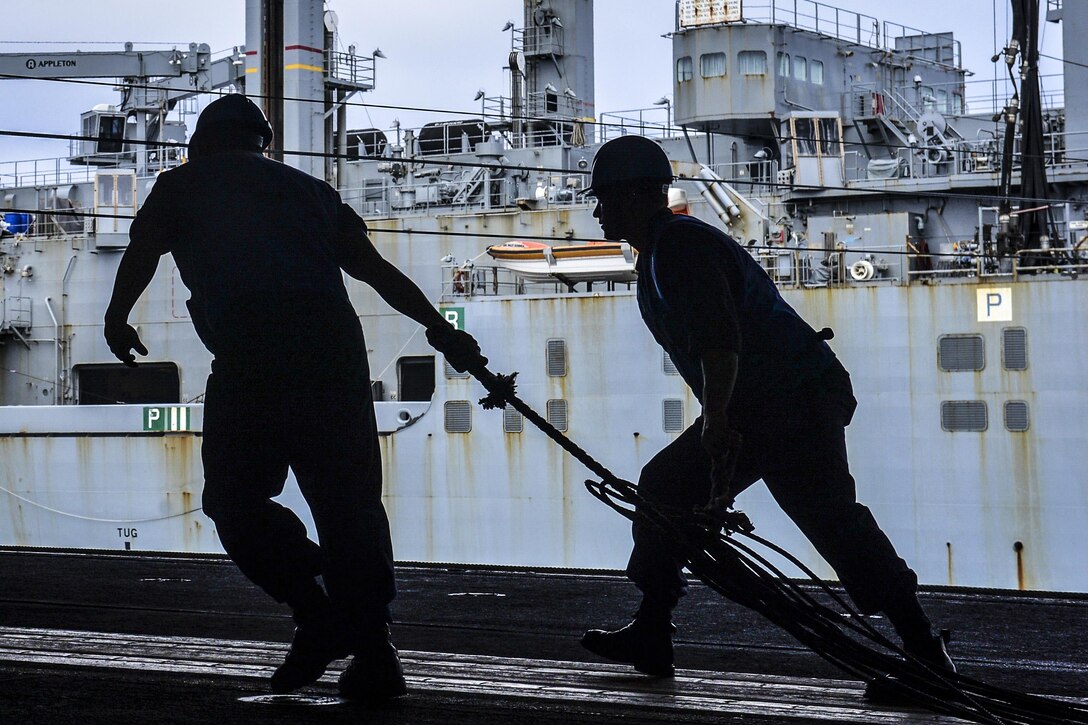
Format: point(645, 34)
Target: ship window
point(712, 65)
point(512, 421)
point(961, 353)
point(415, 378)
point(800, 68)
point(672, 415)
point(556, 358)
point(557, 414)
point(114, 383)
point(1016, 416)
point(816, 72)
point(668, 365)
point(783, 64)
point(1014, 348)
point(805, 131)
point(829, 136)
point(451, 373)
point(111, 134)
point(957, 102)
point(963, 415)
point(929, 98)
point(752, 62)
point(458, 416)
point(684, 70)
point(942, 101)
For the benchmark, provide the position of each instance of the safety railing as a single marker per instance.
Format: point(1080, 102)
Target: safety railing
point(350, 69)
point(652, 122)
point(830, 21)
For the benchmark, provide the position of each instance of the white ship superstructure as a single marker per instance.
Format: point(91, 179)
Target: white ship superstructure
point(845, 154)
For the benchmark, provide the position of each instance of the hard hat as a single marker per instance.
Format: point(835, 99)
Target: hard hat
point(678, 200)
point(233, 112)
point(629, 160)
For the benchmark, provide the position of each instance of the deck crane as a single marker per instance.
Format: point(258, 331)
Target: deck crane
point(152, 83)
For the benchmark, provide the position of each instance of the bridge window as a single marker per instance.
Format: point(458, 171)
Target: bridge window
point(684, 71)
point(784, 64)
point(752, 62)
point(114, 383)
point(800, 68)
point(712, 65)
point(816, 72)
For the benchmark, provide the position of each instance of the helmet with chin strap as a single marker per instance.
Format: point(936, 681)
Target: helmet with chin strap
point(629, 161)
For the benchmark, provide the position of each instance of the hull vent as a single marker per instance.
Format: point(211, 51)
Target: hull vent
point(964, 415)
point(961, 353)
point(672, 415)
point(668, 365)
point(1014, 348)
point(557, 358)
point(1016, 416)
point(512, 421)
point(557, 414)
point(458, 416)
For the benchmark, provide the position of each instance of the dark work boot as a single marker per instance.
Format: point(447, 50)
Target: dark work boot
point(316, 644)
point(646, 644)
point(374, 675)
point(933, 651)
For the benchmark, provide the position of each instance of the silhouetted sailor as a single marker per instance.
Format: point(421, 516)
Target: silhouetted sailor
point(758, 370)
point(261, 246)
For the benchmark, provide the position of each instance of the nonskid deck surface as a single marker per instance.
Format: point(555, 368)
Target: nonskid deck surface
point(96, 638)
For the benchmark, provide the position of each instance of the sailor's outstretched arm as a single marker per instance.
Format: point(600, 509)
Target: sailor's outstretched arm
point(363, 262)
point(134, 274)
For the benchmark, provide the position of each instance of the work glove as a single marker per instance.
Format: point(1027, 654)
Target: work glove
point(460, 349)
point(722, 443)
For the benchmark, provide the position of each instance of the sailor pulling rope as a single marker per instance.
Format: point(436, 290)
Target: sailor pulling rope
point(713, 544)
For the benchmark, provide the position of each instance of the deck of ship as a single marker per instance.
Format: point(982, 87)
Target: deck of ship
point(97, 637)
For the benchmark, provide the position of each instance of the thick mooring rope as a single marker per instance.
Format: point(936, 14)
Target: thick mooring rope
point(719, 552)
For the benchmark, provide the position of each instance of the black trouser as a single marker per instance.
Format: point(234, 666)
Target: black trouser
point(798, 448)
point(320, 423)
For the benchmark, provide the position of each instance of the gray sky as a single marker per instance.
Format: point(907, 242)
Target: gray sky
point(439, 53)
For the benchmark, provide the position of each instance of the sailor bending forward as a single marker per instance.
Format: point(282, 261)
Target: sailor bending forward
point(758, 369)
point(261, 246)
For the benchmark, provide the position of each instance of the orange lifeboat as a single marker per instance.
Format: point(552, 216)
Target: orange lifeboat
point(585, 262)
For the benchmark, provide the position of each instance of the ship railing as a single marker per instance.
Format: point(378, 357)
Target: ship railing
point(637, 121)
point(539, 40)
point(834, 22)
point(1063, 261)
point(43, 172)
point(349, 69)
point(476, 192)
point(756, 179)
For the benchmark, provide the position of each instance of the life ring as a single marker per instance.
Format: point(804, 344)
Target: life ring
point(459, 278)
